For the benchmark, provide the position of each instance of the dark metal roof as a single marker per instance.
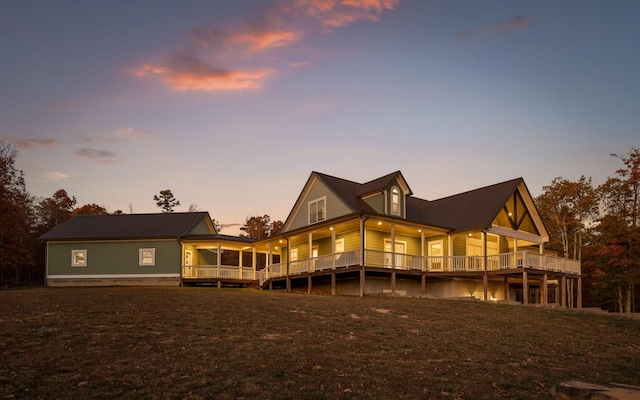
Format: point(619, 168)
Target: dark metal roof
point(475, 209)
point(127, 226)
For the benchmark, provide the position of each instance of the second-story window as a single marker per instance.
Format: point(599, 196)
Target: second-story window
point(395, 201)
point(317, 210)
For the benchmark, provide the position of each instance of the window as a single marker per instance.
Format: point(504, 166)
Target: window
point(317, 210)
point(147, 256)
point(188, 258)
point(395, 201)
point(294, 255)
point(78, 258)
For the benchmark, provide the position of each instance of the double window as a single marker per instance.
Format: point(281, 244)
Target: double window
point(317, 210)
point(78, 258)
point(147, 257)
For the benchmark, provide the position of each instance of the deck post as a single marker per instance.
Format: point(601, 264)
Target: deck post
point(579, 305)
point(393, 283)
point(362, 254)
point(525, 287)
point(333, 283)
point(506, 290)
point(563, 291)
point(422, 254)
point(309, 284)
point(219, 284)
point(362, 281)
point(544, 290)
point(424, 283)
point(333, 249)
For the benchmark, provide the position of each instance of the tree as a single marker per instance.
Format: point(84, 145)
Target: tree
point(17, 239)
point(166, 201)
point(55, 210)
point(90, 209)
point(619, 232)
point(260, 227)
point(569, 209)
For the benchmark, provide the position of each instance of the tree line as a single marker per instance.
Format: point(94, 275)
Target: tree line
point(599, 225)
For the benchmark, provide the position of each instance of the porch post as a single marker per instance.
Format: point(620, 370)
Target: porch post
point(333, 250)
point(579, 305)
point(333, 283)
point(254, 260)
point(393, 245)
point(288, 263)
point(310, 245)
point(424, 283)
point(557, 289)
point(525, 287)
point(485, 278)
point(240, 264)
point(219, 255)
point(544, 290)
point(422, 254)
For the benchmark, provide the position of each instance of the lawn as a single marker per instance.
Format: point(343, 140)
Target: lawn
point(197, 343)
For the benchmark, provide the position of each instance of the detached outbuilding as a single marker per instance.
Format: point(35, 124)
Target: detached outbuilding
point(130, 249)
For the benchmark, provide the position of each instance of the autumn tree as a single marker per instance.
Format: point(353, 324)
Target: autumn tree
point(54, 210)
point(569, 209)
point(619, 239)
point(90, 209)
point(166, 201)
point(260, 227)
point(17, 240)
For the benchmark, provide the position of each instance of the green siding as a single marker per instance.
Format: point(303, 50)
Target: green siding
point(376, 202)
point(375, 241)
point(459, 246)
point(114, 258)
point(445, 244)
point(334, 206)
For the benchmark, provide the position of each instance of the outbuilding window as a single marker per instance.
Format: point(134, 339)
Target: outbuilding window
point(147, 257)
point(78, 258)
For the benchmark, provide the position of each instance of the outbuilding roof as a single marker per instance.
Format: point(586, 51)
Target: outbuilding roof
point(128, 226)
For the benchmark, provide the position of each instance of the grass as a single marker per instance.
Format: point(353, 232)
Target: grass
point(195, 343)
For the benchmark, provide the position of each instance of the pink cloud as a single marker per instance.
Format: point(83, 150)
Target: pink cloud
point(246, 45)
point(28, 144)
point(500, 28)
point(98, 156)
point(185, 72)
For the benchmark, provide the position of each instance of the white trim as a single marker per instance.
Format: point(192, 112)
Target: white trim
point(109, 241)
point(140, 257)
point(188, 261)
point(507, 232)
point(73, 258)
point(319, 199)
point(113, 276)
point(435, 242)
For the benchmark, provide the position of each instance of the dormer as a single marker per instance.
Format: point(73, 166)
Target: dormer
point(387, 195)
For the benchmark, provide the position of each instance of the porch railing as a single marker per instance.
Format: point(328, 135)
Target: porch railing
point(382, 259)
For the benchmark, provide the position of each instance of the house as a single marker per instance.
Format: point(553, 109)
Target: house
point(345, 237)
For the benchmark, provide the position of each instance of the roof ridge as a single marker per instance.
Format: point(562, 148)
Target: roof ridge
point(477, 189)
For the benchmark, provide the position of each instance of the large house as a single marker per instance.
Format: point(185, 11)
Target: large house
point(341, 237)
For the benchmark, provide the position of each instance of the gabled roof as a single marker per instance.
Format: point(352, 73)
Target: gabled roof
point(475, 209)
point(128, 226)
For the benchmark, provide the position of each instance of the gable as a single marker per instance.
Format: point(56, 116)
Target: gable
point(204, 227)
point(315, 190)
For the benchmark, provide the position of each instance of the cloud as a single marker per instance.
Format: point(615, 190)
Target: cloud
point(187, 72)
point(231, 225)
point(60, 105)
point(28, 144)
point(98, 156)
point(124, 135)
point(56, 176)
point(239, 54)
point(500, 28)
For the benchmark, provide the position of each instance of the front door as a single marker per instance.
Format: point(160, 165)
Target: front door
point(400, 249)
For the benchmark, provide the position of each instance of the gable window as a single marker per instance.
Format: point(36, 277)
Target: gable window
point(317, 210)
point(78, 258)
point(395, 201)
point(147, 257)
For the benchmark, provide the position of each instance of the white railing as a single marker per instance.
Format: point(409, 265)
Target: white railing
point(382, 259)
point(218, 272)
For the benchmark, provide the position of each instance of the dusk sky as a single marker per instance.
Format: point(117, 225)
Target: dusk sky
point(232, 104)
